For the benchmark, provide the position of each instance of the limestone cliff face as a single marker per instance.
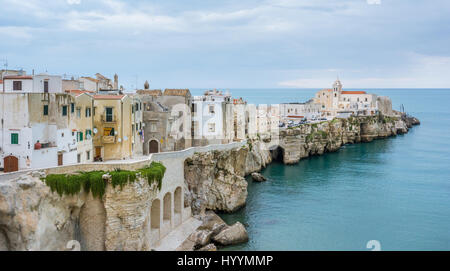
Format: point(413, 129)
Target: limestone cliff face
point(215, 180)
point(34, 218)
point(329, 136)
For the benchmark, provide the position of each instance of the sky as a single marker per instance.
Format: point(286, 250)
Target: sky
point(233, 43)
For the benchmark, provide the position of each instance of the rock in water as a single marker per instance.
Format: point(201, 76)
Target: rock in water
point(210, 247)
point(257, 177)
point(232, 235)
point(201, 237)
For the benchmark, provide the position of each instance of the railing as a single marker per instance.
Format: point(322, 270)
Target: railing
point(109, 139)
point(110, 119)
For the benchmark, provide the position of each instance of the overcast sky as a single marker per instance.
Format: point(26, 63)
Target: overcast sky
point(233, 43)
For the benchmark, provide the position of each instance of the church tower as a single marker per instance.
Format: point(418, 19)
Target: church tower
point(337, 90)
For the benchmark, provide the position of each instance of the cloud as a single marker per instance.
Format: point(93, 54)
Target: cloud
point(423, 72)
point(73, 2)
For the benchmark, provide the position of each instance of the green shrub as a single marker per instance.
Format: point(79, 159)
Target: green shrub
point(71, 184)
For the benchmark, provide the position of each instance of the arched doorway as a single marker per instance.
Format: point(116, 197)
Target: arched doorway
point(11, 163)
point(177, 206)
point(153, 146)
point(167, 211)
point(155, 214)
point(155, 221)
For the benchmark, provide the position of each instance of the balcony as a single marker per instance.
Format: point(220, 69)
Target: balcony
point(108, 119)
point(108, 139)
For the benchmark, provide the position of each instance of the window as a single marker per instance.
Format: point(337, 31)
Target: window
point(88, 155)
point(80, 136)
point(78, 158)
point(132, 127)
point(64, 110)
point(17, 85)
point(14, 138)
point(211, 127)
point(109, 114)
point(108, 131)
point(45, 110)
point(46, 86)
point(88, 134)
point(136, 107)
point(211, 109)
point(72, 108)
point(88, 112)
point(78, 112)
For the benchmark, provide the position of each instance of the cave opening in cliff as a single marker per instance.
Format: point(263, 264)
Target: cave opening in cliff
point(277, 154)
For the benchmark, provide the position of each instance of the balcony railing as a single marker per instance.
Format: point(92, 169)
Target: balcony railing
point(109, 119)
point(109, 139)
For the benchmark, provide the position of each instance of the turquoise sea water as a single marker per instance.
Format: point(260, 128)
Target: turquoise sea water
point(395, 190)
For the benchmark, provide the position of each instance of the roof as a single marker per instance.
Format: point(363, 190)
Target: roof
point(24, 77)
point(101, 76)
point(295, 117)
point(327, 89)
point(108, 97)
point(153, 92)
point(90, 78)
point(176, 92)
point(1, 81)
point(354, 92)
point(78, 92)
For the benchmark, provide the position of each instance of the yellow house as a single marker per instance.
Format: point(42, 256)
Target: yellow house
point(112, 133)
point(82, 111)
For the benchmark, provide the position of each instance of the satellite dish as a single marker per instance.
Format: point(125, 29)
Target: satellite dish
point(95, 130)
point(120, 140)
point(125, 138)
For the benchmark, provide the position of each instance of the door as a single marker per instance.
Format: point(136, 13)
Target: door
point(98, 152)
point(153, 146)
point(60, 159)
point(11, 164)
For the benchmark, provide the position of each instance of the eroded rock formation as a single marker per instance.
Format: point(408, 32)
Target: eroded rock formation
point(329, 136)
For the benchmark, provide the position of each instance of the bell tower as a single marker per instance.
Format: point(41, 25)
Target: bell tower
point(337, 90)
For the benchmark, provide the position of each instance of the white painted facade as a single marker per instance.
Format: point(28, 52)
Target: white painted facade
point(299, 111)
point(32, 84)
point(25, 123)
point(209, 115)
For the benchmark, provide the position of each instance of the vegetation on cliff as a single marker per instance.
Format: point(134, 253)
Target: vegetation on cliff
point(71, 184)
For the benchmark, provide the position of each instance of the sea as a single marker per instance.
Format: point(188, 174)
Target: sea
point(394, 192)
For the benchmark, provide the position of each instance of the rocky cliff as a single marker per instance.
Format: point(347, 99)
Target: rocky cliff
point(34, 218)
point(329, 136)
point(215, 179)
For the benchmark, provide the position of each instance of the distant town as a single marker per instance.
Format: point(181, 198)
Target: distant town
point(50, 121)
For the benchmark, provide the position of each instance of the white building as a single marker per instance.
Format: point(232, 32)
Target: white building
point(341, 103)
point(137, 127)
point(212, 119)
point(40, 83)
point(29, 118)
point(298, 111)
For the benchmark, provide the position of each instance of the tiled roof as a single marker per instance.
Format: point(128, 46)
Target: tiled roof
point(25, 77)
point(152, 92)
point(1, 81)
point(176, 92)
point(353, 92)
point(90, 78)
point(108, 97)
point(78, 92)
